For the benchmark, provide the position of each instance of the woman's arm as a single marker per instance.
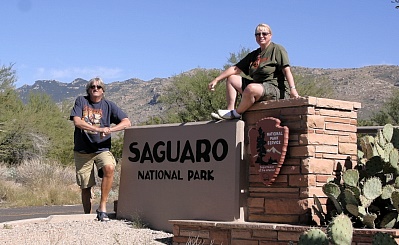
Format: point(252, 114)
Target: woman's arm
point(233, 70)
point(290, 79)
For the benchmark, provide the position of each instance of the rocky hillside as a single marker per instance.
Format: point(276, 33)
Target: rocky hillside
point(371, 85)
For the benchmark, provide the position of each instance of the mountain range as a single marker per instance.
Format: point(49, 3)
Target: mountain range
point(372, 86)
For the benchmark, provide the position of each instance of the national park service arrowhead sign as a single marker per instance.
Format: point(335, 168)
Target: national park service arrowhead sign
point(268, 143)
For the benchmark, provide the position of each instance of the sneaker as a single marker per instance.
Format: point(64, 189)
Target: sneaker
point(216, 116)
point(227, 114)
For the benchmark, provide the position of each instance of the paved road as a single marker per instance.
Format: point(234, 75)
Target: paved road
point(12, 214)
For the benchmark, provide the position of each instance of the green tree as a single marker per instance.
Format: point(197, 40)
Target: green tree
point(188, 98)
point(117, 146)
point(38, 129)
point(10, 107)
point(236, 57)
point(52, 131)
point(313, 86)
point(389, 113)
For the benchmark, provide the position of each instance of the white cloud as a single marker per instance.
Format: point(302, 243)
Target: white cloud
point(71, 73)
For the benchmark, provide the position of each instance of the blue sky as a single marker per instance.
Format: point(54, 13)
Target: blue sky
point(122, 39)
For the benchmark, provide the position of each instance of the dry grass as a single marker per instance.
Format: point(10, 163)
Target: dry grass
point(39, 182)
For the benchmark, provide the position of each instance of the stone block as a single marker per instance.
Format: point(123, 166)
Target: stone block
point(318, 139)
point(284, 206)
point(347, 148)
point(318, 166)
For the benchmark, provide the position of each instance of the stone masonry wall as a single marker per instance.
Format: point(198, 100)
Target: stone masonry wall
point(322, 139)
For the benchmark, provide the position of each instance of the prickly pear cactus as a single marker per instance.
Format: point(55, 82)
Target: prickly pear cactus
point(352, 209)
point(369, 194)
point(374, 165)
point(383, 239)
point(365, 201)
point(389, 220)
point(394, 158)
point(388, 132)
point(395, 199)
point(369, 220)
point(331, 190)
point(351, 177)
point(349, 197)
point(387, 191)
point(340, 230)
point(367, 145)
point(313, 236)
point(372, 188)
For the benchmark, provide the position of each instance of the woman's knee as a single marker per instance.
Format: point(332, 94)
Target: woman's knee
point(253, 89)
point(233, 80)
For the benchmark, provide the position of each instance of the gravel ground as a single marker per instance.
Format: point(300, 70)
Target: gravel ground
point(80, 232)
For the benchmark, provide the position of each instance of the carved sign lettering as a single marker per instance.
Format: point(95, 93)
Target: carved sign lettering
point(268, 143)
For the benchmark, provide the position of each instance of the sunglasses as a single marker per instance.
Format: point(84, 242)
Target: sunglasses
point(96, 86)
point(258, 34)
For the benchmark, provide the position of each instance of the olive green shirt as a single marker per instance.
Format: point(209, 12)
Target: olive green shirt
point(266, 66)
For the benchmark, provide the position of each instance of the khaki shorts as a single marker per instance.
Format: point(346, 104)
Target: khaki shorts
point(84, 163)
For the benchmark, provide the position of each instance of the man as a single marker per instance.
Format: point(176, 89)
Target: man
point(92, 116)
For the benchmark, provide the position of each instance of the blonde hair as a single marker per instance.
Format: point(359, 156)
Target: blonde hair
point(99, 82)
point(262, 26)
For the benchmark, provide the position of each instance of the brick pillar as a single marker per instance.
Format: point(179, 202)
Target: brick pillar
point(322, 139)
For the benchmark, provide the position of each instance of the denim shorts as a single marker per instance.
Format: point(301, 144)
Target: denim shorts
point(84, 163)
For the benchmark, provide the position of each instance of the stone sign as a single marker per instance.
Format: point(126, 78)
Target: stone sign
point(182, 171)
point(268, 144)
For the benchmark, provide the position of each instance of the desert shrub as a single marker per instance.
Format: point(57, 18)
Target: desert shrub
point(37, 183)
point(41, 182)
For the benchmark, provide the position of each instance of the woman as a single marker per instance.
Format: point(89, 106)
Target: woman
point(268, 66)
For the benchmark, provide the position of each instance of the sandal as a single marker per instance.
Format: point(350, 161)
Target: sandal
point(102, 216)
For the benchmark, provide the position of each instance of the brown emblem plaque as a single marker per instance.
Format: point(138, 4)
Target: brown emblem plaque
point(268, 143)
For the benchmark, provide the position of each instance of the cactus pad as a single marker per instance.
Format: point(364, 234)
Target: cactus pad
point(394, 158)
point(389, 220)
point(340, 230)
point(383, 239)
point(387, 151)
point(353, 209)
point(351, 177)
point(395, 199)
point(331, 190)
point(313, 236)
point(380, 139)
point(356, 191)
point(388, 132)
point(367, 145)
point(372, 188)
point(350, 197)
point(395, 138)
point(362, 211)
point(368, 220)
point(387, 191)
point(365, 201)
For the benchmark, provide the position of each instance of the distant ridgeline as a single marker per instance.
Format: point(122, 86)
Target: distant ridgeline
point(139, 98)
